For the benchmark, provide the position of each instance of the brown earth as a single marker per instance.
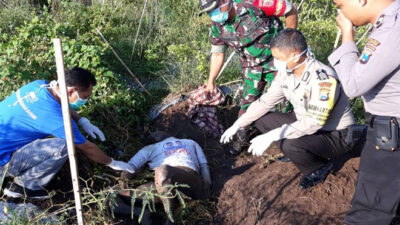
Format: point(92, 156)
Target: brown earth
point(247, 191)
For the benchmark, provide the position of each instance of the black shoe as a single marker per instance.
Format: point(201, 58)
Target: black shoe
point(241, 139)
point(316, 177)
point(15, 191)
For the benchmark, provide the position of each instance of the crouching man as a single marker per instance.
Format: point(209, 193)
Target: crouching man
point(174, 160)
point(28, 117)
point(315, 132)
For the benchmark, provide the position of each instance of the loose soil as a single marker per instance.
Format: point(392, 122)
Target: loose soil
point(248, 191)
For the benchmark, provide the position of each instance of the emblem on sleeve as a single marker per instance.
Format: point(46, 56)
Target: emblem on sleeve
point(369, 48)
point(324, 90)
point(365, 56)
point(373, 42)
point(323, 95)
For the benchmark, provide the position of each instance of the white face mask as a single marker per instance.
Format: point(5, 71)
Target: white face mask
point(281, 66)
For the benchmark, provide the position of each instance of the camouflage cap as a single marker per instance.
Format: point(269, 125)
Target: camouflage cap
point(207, 6)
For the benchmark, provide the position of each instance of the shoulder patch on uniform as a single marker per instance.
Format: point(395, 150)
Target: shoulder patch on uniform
point(365, 56)
point(373, 42)
point(324, 90)
point(322, 74)
point(369, 48)
point(322, 99)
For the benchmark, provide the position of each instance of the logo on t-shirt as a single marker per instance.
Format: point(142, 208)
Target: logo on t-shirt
point(172, 147)
point(29, 98)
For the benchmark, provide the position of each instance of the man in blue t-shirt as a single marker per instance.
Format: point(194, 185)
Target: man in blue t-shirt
point(28, 117)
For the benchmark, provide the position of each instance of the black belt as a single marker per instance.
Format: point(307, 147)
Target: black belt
point(384, 132)
point(370, 118)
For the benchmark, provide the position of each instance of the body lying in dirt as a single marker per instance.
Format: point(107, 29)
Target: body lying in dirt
point(180, 166)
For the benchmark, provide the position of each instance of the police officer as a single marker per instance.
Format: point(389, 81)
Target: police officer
point(375, 76)
point(246, 26)
point(315, 133)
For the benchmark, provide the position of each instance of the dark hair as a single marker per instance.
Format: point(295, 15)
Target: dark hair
point(289, 39)
point(79, 77)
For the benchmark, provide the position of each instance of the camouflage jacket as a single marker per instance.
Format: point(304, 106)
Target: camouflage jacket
point(249, 34)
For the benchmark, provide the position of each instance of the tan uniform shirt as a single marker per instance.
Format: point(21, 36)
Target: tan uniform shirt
point(318, 100)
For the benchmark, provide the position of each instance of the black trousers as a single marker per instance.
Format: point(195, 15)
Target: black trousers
point(310, 152)
point(377, 192)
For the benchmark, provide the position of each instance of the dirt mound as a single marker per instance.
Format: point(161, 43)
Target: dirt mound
point(271, 196)
point(247, 191)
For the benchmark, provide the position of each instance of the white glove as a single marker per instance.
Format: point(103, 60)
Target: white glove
point(119, 165)
point(261, 143)
point(228, 134)
point(91, 129)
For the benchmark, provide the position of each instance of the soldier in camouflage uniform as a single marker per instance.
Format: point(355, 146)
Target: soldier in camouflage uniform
point(247, 26)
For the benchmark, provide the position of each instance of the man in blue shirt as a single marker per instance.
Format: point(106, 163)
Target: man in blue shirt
point(32, 114)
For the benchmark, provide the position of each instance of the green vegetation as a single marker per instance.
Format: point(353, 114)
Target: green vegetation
point(166, 48)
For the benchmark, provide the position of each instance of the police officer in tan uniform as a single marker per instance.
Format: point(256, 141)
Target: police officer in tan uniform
point(315, 133)
point(375, 76)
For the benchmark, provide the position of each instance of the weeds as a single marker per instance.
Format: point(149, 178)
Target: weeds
point(98, 205)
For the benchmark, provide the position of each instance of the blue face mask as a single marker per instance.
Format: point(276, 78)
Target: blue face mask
point(218, 17)
point(78, 103)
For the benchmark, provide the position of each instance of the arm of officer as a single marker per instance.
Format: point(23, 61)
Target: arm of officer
point(378, 60)
point(89, 128)
point(324, 96)
point(218, 47)
point(94, 153)
point(291, 17)
point(217, 60)
point(216, 63)
point(264, 104)
point(75, 115)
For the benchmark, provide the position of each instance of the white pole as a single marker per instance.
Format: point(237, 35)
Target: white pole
point(225, 64)
point(68, 128)
point(122, 62)
point(339, 33)
point(365, 34)
point(301, 3)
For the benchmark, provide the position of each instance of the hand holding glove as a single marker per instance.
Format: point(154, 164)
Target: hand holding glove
point(228, 134)
point(261, 143)
point(91, 129)
point(119, 165)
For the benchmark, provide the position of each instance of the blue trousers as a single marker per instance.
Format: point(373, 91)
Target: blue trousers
point(35, 164)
